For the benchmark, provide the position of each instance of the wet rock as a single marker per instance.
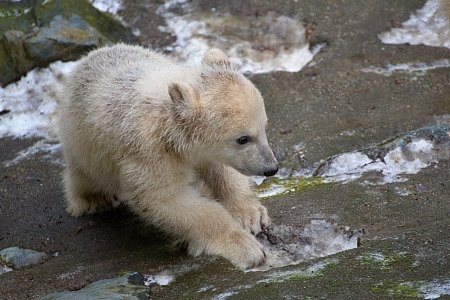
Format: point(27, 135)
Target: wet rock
point(438, 134)
point(62, 39)
point(19, 258)
point(419, 147)
point(130, 286)
point(36, 33)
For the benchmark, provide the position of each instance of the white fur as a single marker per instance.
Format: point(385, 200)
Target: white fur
point(162, 138)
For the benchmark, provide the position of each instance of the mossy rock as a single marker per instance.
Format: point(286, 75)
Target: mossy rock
point(36, 33)
point(129, 286)
point(16, 16)
point(104, 23)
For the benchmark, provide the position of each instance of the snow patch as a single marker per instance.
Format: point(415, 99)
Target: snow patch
point(435, 289)
point(162, 278)
point(316, 269)
point(409, 159)
point(109, 6)
point(42, 146)
point(5, 269)
point(207, 288)
point(312, 271)
point(29, 105)
point(418, 69)
point(28, 108)
point(288, 245)
point(429, 26)
point(224, 295)
point(259, 44)
point(388, 166)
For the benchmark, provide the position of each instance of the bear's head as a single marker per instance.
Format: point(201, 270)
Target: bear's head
point(223, 119)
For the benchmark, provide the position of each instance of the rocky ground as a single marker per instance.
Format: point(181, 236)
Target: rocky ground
point(330, 107)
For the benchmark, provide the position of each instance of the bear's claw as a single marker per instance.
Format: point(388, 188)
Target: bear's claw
point(253, 217)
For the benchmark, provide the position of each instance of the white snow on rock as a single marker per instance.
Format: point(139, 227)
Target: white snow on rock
point(415, 68)
point(428, 26)
point(288, 245)
point(109, 6)
point(29, 105)
point(162, 278)
point(267, 43)
point(409, 159)
point(29, 109)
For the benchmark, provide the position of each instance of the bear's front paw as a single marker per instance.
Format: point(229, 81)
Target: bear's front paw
point(246, 252)
point(233, 243)
point(252, 216)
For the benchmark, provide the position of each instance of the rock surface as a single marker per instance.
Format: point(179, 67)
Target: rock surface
point(129, 287)
point(17, 258)
point(329, 108)
point(36, 33)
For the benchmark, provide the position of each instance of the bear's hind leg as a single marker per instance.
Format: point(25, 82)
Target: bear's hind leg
point(82, 195)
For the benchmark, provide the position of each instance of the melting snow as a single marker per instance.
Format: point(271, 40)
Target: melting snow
point(110, 6)
point(256, 44)
point(418, 69)
point(29, 105)
point(289, 245)
point(313, 270)
point(162, 278)
point(428, 26)
point(434, 289)
point(409, 159)
point(5, 269)
point(42, 146)
point(29, 108)
point(316, 269)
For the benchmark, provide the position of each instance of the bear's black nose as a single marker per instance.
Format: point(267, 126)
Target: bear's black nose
point(271, 172)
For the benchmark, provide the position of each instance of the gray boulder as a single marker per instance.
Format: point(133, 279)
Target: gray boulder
point(130, 286)
point(17, 258)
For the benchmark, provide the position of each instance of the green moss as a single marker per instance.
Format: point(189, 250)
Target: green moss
point(74, 34)
point(412, 289)
point(124, 273)
point(104, 23)
point(16, 16)
point(275, 186)
point(402, 290)
point(313, 271)
point(386, 260)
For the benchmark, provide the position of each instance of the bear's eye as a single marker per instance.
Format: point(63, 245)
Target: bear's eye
point(243, 140)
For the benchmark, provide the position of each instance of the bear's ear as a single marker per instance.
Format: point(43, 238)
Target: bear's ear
point(184, 94)
point(215, 57)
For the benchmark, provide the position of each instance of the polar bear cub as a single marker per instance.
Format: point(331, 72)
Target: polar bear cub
point(173, 142)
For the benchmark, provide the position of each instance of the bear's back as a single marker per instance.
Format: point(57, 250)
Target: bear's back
point(126, 73)
point(113, 69)
point(116, 95)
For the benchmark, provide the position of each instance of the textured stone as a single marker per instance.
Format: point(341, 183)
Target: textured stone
point(36, 33)
point(130, 286)
point(19, 258)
